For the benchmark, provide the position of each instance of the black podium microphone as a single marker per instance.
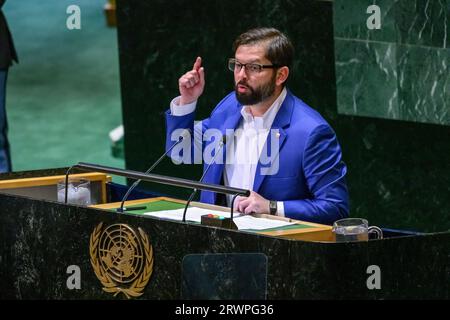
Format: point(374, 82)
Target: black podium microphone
point(222, 142)
point(186, 134)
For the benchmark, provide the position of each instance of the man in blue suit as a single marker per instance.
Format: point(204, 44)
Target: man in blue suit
point(280, 148)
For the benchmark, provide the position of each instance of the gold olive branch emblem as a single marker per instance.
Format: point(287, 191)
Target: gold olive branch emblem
point(112, 285)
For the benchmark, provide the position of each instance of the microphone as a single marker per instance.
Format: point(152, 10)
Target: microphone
point(221, 144)
point(186, 134)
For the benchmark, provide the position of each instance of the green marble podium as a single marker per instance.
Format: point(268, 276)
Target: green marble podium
point(42, 241)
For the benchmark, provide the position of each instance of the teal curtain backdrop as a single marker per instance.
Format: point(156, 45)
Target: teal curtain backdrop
point(63, 97)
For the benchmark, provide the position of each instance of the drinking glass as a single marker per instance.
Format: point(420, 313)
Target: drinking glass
point(79, 191)
point(354, 229)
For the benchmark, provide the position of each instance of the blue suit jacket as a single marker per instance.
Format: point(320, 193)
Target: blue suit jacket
point(311, 175)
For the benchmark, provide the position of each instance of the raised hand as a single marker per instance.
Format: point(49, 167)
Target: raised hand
point(192, 83)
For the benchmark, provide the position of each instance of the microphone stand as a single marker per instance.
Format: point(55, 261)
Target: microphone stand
point(222, 143)
point(232, 203)
point(134, 185)
point(181, 138)
point(179, 182)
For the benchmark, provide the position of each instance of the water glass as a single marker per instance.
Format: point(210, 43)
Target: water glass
point(79, 191)
point(354, 229)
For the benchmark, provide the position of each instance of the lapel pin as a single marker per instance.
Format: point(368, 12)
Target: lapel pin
point(277, 135)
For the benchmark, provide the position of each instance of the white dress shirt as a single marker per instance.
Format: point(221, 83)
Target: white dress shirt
point(247, 145)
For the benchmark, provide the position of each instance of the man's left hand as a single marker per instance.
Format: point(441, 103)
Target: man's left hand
point(252, 204)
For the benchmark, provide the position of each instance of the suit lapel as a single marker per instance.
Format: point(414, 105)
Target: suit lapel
point(230, 119)
point(231, 122)
point(280, 123)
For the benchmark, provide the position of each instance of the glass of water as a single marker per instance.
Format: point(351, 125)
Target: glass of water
point(79, 191)
point(354, 229)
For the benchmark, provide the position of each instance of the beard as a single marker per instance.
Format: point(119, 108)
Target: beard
point(255, 95)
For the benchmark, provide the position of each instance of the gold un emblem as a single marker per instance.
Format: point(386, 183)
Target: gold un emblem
point(122, 259)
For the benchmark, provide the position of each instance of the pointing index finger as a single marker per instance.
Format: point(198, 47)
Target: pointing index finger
point(197, 64)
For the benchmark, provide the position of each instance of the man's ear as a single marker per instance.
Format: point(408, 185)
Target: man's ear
point(282, 75)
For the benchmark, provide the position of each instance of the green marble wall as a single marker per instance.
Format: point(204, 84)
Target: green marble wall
point(398, 171)
point(400, 71)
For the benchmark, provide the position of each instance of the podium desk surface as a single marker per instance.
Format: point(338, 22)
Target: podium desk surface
point(41, 238)
point(300, 230)
point(44, 187)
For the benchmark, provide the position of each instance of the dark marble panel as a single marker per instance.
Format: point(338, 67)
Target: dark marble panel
point(225, 276)
point(396, 173)
point(417, 22)
point(40, 239)
point(366, 79)
point(225, 241)
point(424, 82)
point(401, 264)
point(418, 32)
point(403, 270)
point(350, 20)
point(348, 261)
point(423, 22)
point(391, 81)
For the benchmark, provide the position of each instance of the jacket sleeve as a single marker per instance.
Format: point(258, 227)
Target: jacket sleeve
point(190, 149)
point(174, 127)
point(324, 172)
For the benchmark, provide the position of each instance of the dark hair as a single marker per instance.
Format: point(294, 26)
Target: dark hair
point(279, 48)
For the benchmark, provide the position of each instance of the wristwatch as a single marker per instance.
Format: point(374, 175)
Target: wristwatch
point(273, 207)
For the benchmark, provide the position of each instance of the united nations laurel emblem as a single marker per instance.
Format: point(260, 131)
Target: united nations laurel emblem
point(122, 259)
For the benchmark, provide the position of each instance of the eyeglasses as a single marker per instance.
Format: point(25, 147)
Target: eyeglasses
point(236, 66)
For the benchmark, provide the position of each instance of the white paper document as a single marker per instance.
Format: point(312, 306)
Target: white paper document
point(242, 221)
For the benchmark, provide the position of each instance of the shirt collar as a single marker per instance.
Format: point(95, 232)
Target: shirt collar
point(268, 117)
